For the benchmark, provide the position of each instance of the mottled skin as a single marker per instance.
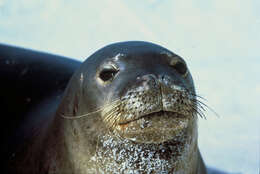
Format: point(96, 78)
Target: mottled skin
point(146, 120)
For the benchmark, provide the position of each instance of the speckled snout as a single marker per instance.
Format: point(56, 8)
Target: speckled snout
point(153, 94)
point(154, 109)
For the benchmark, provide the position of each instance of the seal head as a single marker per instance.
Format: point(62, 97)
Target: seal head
point(131, 107)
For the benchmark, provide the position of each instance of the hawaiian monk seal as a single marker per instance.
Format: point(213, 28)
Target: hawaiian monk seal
point(131, 107)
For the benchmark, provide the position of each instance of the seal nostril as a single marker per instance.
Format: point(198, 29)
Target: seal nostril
point(180, 67)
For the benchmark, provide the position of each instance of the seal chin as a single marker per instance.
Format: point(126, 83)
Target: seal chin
point(155, 127)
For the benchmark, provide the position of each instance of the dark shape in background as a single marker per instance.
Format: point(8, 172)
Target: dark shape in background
point(27, 78)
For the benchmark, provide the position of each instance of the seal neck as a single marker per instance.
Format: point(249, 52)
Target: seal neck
point(116, 155)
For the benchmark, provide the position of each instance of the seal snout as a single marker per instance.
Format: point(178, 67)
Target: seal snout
point(153, 105)
point(153, 94)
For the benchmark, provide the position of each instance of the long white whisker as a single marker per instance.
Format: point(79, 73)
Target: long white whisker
point(110, 105)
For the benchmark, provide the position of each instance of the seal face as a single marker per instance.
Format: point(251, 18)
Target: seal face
point(130, 108)
point(144, 99)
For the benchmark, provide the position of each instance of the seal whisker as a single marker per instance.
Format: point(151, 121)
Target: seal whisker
point(116, 121)
point(111, 120)
point(80, 116)
point(112, 115)
point(109, 117)
point(196, 95)
point(201, 104)
point(208, 107)
point(90, 113)
point(201, 114)
point(198, 104)
point(197, 110)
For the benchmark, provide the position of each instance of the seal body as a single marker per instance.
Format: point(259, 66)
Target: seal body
point(131, 107)
point(32, 84)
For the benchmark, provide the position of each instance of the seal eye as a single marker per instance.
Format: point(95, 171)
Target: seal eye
point(108, 74)
point(180, 67)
